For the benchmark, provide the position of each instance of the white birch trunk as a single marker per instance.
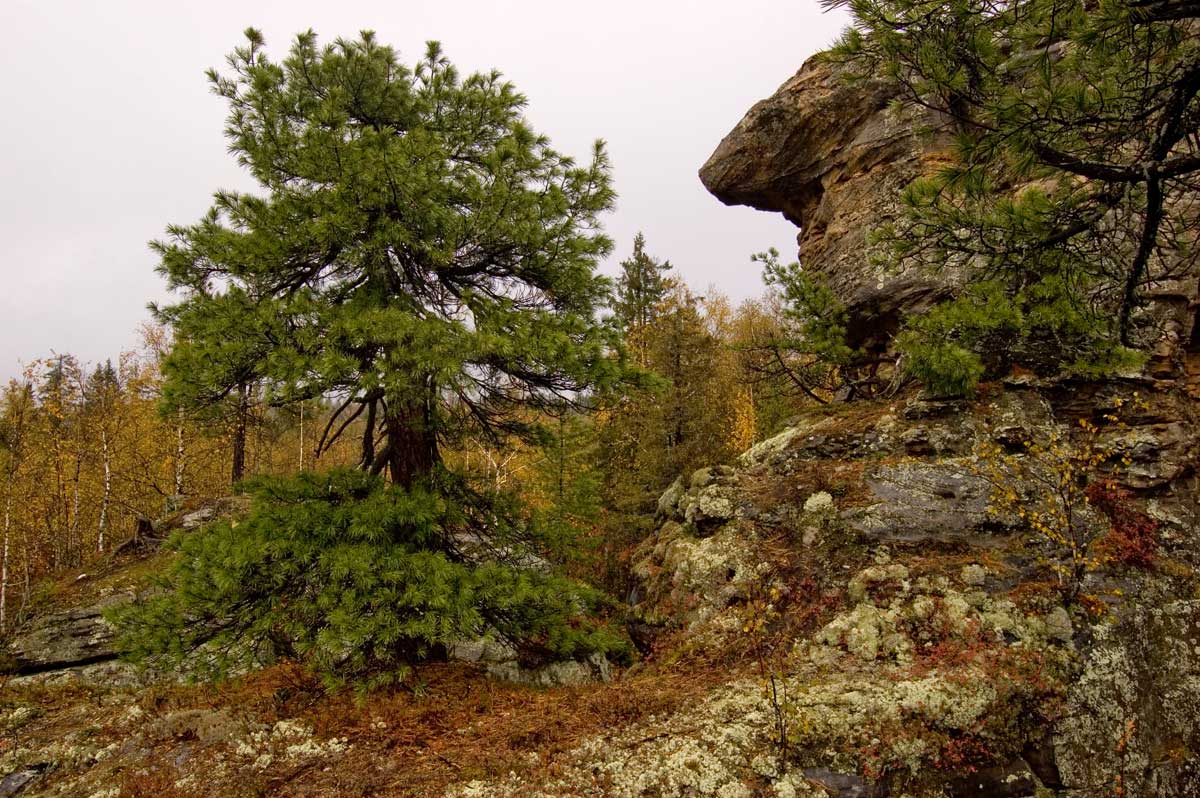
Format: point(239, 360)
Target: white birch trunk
point(4, 561)
point(179, 457)
point(75, 540)
point(107, 491)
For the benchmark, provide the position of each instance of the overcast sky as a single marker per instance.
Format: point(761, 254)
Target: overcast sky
point(109, 132)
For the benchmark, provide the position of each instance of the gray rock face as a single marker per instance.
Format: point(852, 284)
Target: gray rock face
point(554, 674)
point(79, 636)
point(14, 784)
point(843, 785)
point(923, 501)
point(501, 662)
point(832, 158)
point(1131, 715)
point(67, 638)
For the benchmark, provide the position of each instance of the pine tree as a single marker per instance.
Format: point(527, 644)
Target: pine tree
point(685, 420)
point(345, 573)
point(807, 349)
point(419, 253)
point(1071, 175)
point(415, 248)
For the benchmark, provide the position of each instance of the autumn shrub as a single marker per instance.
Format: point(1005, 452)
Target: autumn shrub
point(1133, 538)
point(1052, 483)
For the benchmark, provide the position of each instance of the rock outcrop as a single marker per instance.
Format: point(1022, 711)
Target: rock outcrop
point(926, 653)
point(67, 638)
point(832, 157)
point(71, 633)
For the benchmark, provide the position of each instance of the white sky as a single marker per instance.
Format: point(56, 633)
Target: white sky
point(108, 131)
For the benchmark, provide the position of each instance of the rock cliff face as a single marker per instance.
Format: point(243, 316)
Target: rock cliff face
point(832, 157)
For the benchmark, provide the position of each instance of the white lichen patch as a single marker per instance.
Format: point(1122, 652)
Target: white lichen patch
point(699, 578)
point(973, 575)
point(819, 503)
point(770, 449)
point(16, 718)
point(888, 574)
point(287, 740)
point(711, 504)
point(867, 632)
point(1132, 711)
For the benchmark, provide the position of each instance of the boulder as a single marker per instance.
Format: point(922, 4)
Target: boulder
point(68, 638)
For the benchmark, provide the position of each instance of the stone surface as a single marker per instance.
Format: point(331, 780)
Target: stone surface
point(67, 638)
point(1131, 715)
point(555, 674)
point(921, 501)
point(17, 783)
point(831, 157)
point(501, 661)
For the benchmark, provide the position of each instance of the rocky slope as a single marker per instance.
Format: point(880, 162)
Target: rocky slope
point(849, 610)
point(904, 641)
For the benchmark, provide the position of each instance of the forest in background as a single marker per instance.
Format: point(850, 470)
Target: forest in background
point(89, 452)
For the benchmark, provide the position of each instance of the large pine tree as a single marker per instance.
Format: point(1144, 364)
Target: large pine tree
point(414, 248)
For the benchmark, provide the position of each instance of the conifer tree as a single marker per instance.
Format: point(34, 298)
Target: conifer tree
point(414, 247)
point(418, 252)
point(641, 286)
point(1072, 171)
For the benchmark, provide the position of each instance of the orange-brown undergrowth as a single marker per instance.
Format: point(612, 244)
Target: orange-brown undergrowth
point(452, 727)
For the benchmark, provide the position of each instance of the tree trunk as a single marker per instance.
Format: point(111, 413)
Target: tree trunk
point(4, 558)
point(367, 460)
point(103, 526)
point(180, 454)
point(301, 435)
point(238, 467)
point(411, 445)
point(75, 540)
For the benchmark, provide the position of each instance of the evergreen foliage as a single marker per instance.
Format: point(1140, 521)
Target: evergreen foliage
point(358, 579)
point(415, 248)
point(655, 433)
point(1070, 173)
point(418, 253)
point(641, 286)
point(810, 348)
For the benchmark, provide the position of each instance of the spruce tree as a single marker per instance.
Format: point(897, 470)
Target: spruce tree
point(641, 285)
point(1068, 186)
